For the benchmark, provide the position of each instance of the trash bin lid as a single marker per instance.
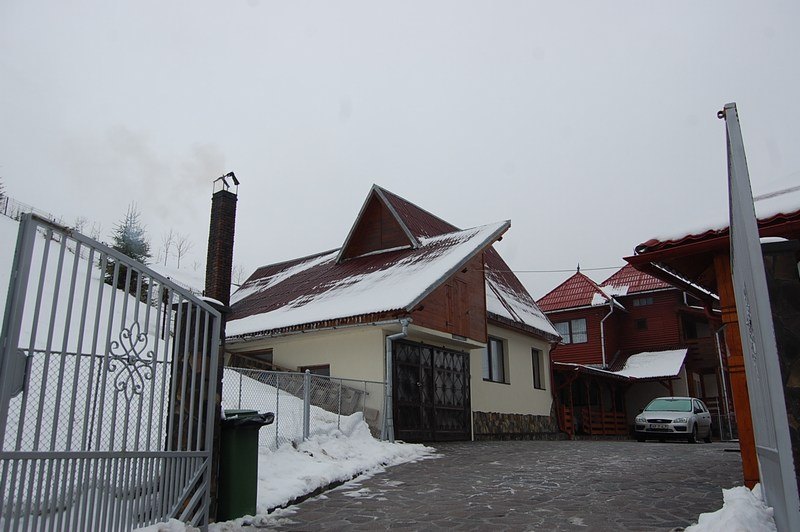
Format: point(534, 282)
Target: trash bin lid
point(236, 414)
point(247, 419)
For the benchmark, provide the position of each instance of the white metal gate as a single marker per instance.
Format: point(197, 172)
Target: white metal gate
point(107, 389)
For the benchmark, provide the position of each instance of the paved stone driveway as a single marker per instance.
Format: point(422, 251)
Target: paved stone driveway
point(534, 485)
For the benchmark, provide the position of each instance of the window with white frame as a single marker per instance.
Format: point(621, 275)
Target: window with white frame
point(494, 361)
point(572, 331)
point(538, 362)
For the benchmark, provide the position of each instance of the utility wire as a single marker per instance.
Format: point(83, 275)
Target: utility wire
point(561, 271)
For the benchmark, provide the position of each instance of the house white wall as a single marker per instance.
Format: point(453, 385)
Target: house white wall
point(517, 395)
point(359, 353)
point(353, 353)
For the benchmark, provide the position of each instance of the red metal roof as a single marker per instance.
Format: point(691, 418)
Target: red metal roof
point(635, 280)
point(273, 287)
point(577, 291)
point(419, 221)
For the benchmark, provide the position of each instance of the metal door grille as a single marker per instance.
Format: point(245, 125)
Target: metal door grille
point(107, 389)
point(432, 397)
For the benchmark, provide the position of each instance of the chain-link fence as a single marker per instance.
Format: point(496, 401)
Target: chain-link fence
point(725, 426)
point(305, 405)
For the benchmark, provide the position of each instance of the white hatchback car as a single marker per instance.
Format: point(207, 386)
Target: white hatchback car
point(674, 417)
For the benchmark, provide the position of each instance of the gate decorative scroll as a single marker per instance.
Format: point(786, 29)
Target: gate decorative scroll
point(108, 375)
point(137, 368)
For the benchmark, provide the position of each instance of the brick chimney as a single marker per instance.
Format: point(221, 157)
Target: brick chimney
point(219, 262)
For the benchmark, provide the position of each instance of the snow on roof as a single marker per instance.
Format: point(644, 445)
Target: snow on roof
point(614, 291)
point(507, 304)
point(293, 268)
point(781, 200)
point(320, 289)
point(652, 364)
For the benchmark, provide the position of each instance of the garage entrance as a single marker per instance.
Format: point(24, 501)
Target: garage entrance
point(432, 400)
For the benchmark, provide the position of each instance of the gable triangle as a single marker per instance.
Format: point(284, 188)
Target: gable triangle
point(377, 228)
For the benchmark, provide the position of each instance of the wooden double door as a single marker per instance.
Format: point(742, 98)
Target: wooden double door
point(431, 393)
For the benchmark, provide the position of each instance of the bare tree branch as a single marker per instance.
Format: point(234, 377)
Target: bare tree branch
point(167, 239)
point(182, 246)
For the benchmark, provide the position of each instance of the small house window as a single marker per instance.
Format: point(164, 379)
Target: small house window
point(320, 369)
point(641, 324)
point(643, 301)
point(536, 360)
point(494, 361)
point(573, 331)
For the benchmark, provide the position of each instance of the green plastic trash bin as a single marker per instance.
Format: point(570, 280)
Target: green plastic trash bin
point(238, 475)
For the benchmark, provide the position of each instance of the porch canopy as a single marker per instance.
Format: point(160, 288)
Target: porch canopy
point(687, 260)
point(645, 366)
point(699, 262)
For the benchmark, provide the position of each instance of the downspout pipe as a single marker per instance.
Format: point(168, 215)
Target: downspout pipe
point(388, 418)
point(603, 331)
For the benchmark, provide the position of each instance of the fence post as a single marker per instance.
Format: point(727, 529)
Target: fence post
point(306, 403)
point(339, 411)
point(240, 390)
point(277, 407)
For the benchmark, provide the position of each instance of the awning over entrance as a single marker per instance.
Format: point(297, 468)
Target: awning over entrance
point(641, 366)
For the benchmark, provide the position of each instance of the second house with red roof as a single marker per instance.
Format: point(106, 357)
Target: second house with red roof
point(626, 341)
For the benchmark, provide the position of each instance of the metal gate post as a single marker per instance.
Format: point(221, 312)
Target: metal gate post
point(9, 336)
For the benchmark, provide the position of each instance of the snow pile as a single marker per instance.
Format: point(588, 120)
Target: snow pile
point(598, 300)
point(289, 473)
point(742, 511)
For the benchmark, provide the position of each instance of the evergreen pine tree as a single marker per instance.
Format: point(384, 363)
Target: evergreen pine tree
point(129, 237)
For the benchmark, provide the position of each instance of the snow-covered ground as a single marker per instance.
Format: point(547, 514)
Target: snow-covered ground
point(742, 511)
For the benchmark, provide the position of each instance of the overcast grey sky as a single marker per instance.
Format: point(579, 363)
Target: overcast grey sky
point(591, 125)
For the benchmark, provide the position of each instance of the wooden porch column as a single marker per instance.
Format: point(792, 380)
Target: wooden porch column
point(741, 397)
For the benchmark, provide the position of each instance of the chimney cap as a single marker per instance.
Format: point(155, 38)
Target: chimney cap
point(223, 184)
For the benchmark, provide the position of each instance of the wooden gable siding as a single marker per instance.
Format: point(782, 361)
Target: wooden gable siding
point(663, 322)
point(458, 306)
point(377, 229)
point(589, 352)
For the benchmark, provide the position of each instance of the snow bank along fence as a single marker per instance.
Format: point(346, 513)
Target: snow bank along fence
point(304, 404)
point(107, 389)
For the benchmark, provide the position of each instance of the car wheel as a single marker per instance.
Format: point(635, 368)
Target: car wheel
point(693, 436)
point(707, 439)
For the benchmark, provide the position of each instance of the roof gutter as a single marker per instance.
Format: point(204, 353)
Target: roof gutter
point(603, 330)
point(388, 419)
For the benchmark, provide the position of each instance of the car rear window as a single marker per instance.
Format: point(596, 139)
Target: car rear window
point(671, 405)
